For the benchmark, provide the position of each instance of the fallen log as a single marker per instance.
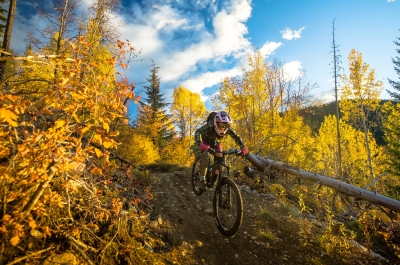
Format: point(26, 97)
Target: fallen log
point(262, 164)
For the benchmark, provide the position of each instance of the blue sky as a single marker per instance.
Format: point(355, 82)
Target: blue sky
point(197, 43)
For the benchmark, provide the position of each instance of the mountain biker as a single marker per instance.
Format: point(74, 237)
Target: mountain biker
point(211, 134)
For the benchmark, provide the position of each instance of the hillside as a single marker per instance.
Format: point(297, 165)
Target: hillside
point(271, 233)
point(314, 116)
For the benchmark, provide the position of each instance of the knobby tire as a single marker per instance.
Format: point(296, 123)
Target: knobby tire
point(196, 176)
point(228, 216)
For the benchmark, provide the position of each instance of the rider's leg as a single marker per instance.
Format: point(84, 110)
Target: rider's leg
point(204, 162)
point(217, 156)
point(205, 158)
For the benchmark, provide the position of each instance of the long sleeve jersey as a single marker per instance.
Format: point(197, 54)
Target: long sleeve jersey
point(207, 132)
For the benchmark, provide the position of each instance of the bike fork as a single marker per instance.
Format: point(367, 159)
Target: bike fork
point(226, 196)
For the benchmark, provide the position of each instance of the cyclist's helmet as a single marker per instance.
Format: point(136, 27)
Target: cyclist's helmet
point(222, 122)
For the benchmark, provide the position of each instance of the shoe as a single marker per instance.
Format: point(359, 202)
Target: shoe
point(202, 185)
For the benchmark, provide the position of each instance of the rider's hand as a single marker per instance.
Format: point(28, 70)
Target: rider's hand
point(244, 151)
point(203, 147)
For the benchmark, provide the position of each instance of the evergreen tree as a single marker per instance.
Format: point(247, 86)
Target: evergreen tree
point(152, 119)
point(6, 31)
point(3, 19)
point(396, 84)
point(392, 126)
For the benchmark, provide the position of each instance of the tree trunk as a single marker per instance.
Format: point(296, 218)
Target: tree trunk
point(375, 198)
point(7, 35)
point(371, 169)
point(335, 67)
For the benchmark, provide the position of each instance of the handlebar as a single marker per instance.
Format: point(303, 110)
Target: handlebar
point(229, 152)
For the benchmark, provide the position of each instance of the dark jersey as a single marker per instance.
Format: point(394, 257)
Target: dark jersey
point(208, 134)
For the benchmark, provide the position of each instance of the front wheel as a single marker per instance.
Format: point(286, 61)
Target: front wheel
point(196, 176)
point(228, 207)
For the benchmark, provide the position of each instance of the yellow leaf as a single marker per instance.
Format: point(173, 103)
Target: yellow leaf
point(97, 139)
point(87, 128)
point(5, 172)
point(76, 95)
point(98, 152)
point(4, 151)
point(32, 223)
point(15, 240)
point(59, 123)
point(64, 81)
point(8, 116)
point(116, 133)
point(106, 126)
point(96, 171)
point(107, 144)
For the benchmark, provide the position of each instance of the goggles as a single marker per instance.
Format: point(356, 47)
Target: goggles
point(223, 125)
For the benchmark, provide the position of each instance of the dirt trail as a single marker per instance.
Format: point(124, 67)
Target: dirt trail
point(191, 227)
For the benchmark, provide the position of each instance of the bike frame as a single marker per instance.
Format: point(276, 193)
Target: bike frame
point(221, 164)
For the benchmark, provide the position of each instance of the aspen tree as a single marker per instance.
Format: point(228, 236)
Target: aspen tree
point(354, 153)
point(188, 111)
point(360, 96)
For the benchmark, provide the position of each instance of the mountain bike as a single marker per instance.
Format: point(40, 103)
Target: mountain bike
point(227, 200)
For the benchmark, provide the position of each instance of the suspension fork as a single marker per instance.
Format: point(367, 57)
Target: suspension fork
point(228, 198)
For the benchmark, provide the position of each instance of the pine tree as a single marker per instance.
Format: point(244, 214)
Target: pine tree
point(3, 19)
point(392, 126)
point(396, 84)
point(152, 119)
point(7, 29)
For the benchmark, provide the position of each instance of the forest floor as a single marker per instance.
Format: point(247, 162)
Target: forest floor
point(270, 232)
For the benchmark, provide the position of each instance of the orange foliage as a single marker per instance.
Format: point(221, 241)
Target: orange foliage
point(44, 136)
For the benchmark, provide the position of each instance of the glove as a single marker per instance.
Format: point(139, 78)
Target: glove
point(203, 147)
point(244, 151)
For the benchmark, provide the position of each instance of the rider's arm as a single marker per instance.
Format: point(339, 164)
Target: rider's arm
point(200, 131)
point(236, 137)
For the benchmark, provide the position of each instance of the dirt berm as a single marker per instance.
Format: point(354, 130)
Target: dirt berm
point(271, 232)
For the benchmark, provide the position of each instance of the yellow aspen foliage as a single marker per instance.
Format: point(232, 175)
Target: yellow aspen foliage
point(361, 92)
point(246, 99)
point(361, 96)
point(187, 112)
point(392, 124)
point(143, 150)
point(254, 103)
point(177, 152)
point(354, 153)
point(135, 147)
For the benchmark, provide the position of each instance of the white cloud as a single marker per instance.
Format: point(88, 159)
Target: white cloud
point(269, 47)
point(180, 42)
point(289, 34)
point(390, 1)
point(326, 96)
point(183, 38)
point(209, 79)
point(293, 70)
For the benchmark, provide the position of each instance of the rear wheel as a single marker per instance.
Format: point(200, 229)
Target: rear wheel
point(228, 207)
point(196, 176)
